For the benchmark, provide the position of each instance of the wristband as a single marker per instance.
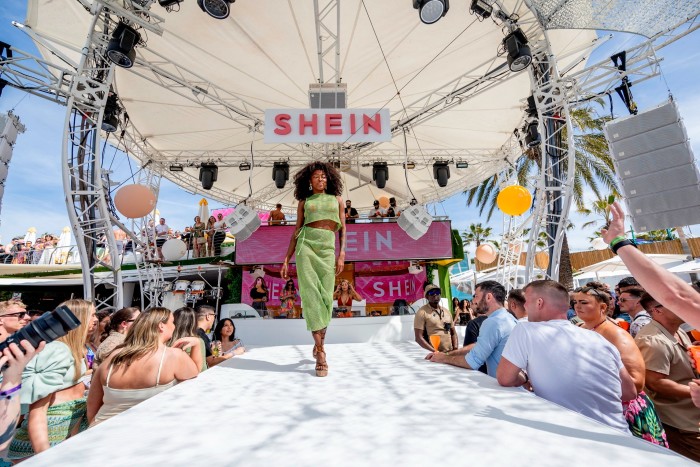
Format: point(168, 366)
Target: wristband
point(10, 393)
point(524, 373)
point(617, 240)
point(622, 243)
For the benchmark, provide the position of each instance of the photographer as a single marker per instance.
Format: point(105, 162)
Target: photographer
point(10, 387)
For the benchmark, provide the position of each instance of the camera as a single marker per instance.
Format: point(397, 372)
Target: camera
point(47, 328)
point(448, 327)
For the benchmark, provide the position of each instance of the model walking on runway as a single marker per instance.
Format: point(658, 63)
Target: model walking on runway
point(321, 212)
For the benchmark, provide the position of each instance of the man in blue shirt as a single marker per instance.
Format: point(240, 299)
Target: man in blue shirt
point(489, 298)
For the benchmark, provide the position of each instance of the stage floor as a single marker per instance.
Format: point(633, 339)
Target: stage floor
point(382, 404)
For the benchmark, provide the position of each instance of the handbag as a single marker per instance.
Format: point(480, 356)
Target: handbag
point(201, 240)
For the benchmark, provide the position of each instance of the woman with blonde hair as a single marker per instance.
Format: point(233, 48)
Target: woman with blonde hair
point(142, 366)
point(345, 293)
point(592, 303)
point(52, 389)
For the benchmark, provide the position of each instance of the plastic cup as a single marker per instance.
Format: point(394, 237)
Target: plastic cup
point(435, 341)
point(624, 324)
point(695, 352)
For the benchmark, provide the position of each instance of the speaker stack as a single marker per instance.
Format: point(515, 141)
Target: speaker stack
point(656, 168)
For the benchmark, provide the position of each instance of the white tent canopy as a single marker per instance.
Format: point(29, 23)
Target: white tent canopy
point(264, 56)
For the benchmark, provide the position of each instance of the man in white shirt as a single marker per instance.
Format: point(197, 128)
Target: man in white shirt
point(570, 366)
point(161, 236)
point(376, 212)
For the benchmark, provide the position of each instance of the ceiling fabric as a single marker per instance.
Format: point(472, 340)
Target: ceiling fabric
point(264, 57)
point(644, 17)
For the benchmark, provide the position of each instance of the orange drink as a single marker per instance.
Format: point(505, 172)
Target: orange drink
point(435, 341)
point(694, 351)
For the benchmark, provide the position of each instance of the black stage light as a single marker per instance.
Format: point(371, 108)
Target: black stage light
point(519, 55)
point(176, 168)
point(218, 9)
point(380, 173)
point(410, 165)
point(110, 118)
point(280, 174)
point(462, 164)
point(531, 110)
point(121, 49)
point(431, 10)
point(481, 8)
point(441, 172)
point(532, 135)
point(168, 3)
point(243, 166)
point(208, 173)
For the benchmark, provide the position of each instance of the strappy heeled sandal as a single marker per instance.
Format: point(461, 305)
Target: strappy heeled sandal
point(323, 338)
point(321, 367)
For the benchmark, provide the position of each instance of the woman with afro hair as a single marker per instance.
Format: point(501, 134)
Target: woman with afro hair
point(321, 213)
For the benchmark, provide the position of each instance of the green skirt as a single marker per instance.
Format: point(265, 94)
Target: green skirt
point(62, 420)
point(315, 259)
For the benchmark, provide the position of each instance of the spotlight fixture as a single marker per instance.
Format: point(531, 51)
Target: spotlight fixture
point(430, 11)
point(519, 55)
point(441, 172)
point(242, 222)
point(243, 166)
point(280, 174)
point(380, 173)
point(168, 3)
point(531, 110)
point(481, 8)
point(462, 164)
point(532, 135)
point(218, 9)
point(121, 49)
point(415, 221)
point(110, 118)
point(208, 173)
point(410, 165)
point(176, 168)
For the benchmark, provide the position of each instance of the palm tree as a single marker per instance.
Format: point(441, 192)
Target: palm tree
point(594, 170)
point(476, 234)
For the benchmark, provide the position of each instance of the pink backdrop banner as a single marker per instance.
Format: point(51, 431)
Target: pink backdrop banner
point(382, 289)
point(383, 241)
point(381, 266)
point(275, 285)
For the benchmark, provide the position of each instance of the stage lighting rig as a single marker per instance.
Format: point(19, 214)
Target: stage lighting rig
point(380, 174)
point(280, 173)
point(121, 49)
point(208, 173)
point(430, 11)
point(519, 55)
point(441, 172)
point(218, 9)
point(481, 8)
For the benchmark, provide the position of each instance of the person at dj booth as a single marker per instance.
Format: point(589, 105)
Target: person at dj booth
point(350, 213)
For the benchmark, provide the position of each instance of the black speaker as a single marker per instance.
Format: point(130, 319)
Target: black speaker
point(656, 168)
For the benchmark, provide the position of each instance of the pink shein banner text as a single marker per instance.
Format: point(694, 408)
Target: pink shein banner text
point(382, 241)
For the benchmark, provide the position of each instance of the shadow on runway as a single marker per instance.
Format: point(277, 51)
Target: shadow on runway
point(247, 364)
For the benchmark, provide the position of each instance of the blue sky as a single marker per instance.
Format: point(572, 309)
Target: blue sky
point(34, 192)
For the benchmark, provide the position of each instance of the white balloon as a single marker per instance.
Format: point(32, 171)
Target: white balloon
point(174, 249)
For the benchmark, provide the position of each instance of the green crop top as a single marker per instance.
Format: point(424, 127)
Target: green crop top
point(321, 207)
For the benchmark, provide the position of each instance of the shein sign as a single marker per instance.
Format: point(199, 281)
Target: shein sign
point(327, 125)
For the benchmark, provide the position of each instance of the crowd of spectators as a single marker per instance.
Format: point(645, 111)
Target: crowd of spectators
point(109, 363)
point(622, 357)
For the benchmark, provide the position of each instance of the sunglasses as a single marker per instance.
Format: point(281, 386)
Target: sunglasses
point(591, 290)
point(20, 314)
point(434, 292)
point(623, 300)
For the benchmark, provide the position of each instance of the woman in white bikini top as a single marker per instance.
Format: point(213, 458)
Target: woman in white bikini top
point(133, 364)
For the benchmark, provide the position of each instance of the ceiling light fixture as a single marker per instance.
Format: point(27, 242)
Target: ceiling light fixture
point(280, 173)
point(462, 164)
point(110, 118)
point(121, 49)
point(176, 168)
point(218, 9)
point(380, 174)
point(208, 173)
point(441, 172)
point(430, 11)
point(243, 166)
point(481, 8)
point(519, 55)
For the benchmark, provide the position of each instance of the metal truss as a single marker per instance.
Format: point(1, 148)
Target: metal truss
point(328, 41)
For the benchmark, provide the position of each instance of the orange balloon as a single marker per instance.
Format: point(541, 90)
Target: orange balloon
point(384, 202)
point(486, 253)
point(135, 201)
point(514, 200)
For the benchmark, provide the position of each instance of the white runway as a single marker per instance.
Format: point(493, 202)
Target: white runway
point(381, 404)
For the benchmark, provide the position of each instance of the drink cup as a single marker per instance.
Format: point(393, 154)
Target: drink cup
point(695, 352)
point(435, 341)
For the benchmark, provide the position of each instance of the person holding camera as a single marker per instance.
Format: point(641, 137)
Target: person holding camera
point(435, 320)
point(52, 389)
point(12, 361)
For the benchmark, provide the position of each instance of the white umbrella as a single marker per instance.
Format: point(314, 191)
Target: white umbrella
point(203, 212)
point(30, 236)
point(687, 267)
point(616, 265)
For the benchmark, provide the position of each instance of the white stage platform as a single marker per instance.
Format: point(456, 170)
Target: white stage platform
point(382, 404)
